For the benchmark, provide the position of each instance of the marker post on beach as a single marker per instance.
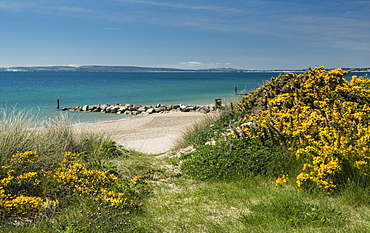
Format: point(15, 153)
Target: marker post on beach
point(218, 103)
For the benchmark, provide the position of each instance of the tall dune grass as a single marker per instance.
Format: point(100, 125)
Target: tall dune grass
point(197, 127)
point(191, 136)
point(51, 137)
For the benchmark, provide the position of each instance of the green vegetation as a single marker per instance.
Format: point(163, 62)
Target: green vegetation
point(54, 179)
point(240, 170)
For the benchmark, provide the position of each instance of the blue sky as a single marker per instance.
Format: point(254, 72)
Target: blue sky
point(191, 34)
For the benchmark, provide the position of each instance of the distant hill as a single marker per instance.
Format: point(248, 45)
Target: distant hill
point(124, 69)
point(110, 69)
point(92, 69)
point(96, 68)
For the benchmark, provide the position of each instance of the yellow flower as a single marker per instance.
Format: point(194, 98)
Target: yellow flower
point(302, 179)
point(319, 115)
point(281, 180)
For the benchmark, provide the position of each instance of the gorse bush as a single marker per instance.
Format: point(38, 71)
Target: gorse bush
point(28, 193)
point(44, 186)
point(318, 115)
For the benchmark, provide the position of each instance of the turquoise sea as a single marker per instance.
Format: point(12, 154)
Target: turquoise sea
point(37, 92)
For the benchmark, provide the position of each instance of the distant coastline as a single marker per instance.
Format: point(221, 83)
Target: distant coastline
point(96, 68)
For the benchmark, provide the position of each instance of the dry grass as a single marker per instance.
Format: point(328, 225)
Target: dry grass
point(21, 131)
point(196, 128)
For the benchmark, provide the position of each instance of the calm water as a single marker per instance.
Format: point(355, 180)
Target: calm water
point(38, 91)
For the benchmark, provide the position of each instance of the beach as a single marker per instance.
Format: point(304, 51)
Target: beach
point(151, 134)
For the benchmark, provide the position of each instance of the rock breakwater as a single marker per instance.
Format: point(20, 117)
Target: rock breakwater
point(137, 109)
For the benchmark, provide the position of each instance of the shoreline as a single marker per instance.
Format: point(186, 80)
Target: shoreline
point(77, 124)
point(151, 134)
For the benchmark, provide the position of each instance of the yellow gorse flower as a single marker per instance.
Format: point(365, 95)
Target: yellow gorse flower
point(85, 182)
point(71, 174)
point(281, 180)
point(320, 115)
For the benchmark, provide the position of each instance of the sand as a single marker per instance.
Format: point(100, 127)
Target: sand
point(151, 134)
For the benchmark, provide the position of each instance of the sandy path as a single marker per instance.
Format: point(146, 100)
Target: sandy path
point(152, 134)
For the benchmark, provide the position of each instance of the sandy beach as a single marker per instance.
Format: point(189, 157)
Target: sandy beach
point(152, 134)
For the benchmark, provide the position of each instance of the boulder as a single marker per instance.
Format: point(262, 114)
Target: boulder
point(114, 110)
point(102, 107)
point(91, 107)
point(160, 109)
point(150, 111)
point(142, 109)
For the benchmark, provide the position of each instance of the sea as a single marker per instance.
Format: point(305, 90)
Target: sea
point(36, 93)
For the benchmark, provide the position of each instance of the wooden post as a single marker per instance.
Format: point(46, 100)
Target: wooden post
point(58, 106)
point(218, 103)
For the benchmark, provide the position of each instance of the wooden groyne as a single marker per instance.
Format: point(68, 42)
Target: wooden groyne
point(137, 109)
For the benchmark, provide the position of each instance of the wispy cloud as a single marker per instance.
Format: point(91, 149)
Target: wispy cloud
point(73, 65)
point(3, 5)
point(180, 5)
point(39, 6)
point(323, 31)
point(70, 9)
point(17, 5)
point(199, 65)
point(111, 29)
point(342, 25)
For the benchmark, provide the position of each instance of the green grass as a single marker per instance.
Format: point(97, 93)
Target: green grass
point(175, 202)
point(180, 204)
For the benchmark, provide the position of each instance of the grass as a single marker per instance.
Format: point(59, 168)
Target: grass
point(188, 137)
point(234, 204)
point(180, 204)
point(20, 131)
point(175, 202)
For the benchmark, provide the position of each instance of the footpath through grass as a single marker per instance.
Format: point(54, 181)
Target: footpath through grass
point(255, 204)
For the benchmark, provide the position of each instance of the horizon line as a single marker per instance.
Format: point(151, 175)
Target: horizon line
point(172, 68)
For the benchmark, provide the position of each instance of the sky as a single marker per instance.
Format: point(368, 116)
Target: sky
point(187, 34)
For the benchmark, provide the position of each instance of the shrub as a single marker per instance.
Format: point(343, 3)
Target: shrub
point(25, 192)
point(321, 117)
